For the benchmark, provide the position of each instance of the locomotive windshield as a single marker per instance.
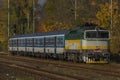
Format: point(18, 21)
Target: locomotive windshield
point(97, 34)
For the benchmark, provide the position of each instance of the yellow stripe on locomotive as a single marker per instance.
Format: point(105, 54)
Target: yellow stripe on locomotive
point(72, 44)
point(78, 45)
point(94, 47)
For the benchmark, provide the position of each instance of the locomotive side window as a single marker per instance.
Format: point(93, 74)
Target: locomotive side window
point(91, 34)
point(103, 34)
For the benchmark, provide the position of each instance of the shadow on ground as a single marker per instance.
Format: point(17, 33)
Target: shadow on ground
point(115, 58)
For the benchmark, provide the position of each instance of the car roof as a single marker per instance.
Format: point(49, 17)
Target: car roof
point(41, 34)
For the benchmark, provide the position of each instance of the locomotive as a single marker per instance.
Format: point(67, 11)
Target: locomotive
point(87, 43)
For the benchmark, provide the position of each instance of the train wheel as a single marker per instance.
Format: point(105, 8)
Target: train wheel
point(65, 56)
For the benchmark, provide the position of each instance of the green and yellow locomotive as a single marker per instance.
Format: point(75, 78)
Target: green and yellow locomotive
point(90, 42)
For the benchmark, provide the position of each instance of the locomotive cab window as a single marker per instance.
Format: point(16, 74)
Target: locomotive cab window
point(97, 34)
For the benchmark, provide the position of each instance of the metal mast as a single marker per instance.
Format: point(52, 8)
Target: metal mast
point(8, 18)
point(74, 3)
point(33, 17)
point(75, 10)
point(111, 13)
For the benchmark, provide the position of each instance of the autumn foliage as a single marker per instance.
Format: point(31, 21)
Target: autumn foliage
point(104, 16)
point(60, 15)
point(42, 28)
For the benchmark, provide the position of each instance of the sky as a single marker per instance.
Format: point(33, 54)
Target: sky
point(1, 3)
point(42, 2)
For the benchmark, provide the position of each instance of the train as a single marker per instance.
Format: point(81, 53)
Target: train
point(87, 43)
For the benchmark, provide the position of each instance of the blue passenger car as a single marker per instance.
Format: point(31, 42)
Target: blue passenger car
point(50, 44)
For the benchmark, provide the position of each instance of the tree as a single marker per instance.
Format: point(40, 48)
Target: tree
point(104, 18)
point(21, 14)
point(103, 15)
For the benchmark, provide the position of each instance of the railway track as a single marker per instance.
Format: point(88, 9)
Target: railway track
point(34, 70)
point(68, 66)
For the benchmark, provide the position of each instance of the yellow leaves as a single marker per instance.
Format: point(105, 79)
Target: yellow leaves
point(104, 14)
point(42, 28)
point(115, 6)
point(115, 44)
point(52, 26)
point(104, 17)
